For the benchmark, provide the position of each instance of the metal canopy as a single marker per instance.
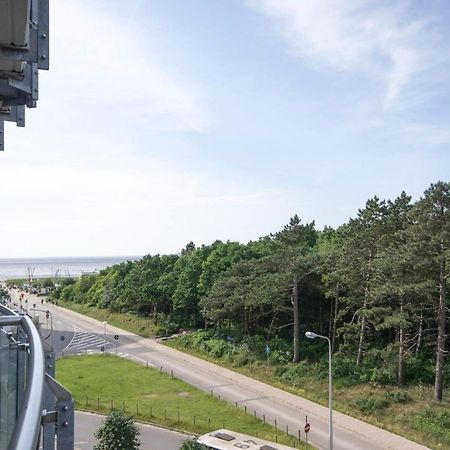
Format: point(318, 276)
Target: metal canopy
point(24, 49)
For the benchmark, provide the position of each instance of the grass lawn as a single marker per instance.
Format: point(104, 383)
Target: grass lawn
point(129, 322)
point(100, 382)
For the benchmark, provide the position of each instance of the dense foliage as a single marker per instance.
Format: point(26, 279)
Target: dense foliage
point(118, 431)
point(377, 286)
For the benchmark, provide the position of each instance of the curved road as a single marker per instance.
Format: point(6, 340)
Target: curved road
point(287, 409)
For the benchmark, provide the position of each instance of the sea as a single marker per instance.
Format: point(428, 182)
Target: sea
point(56, 267)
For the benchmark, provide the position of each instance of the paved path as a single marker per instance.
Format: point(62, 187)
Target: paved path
point(288, 409)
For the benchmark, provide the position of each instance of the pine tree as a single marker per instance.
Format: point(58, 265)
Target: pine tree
point(430, 252)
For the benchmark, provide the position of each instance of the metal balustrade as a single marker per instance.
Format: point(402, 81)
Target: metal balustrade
point(35, 410)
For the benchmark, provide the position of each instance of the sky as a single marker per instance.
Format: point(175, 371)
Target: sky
point(163, 121)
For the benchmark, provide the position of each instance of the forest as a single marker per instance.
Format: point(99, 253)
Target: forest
point(377, 286)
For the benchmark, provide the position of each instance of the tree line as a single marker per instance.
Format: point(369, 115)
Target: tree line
point(378, 282)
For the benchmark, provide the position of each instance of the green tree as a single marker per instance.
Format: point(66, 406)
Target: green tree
point(117, 432)
point(191, 444)
point(430, 254)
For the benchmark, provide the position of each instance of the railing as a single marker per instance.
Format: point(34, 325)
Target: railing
point(31, 400)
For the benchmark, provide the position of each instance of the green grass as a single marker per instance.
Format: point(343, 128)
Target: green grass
point(101, 382)
point(129, 322)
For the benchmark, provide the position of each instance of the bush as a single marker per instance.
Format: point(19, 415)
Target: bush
point(370, 405)
point(419, 370)
point(191, 444)
point(117, 431)
point(397, 396)
point(280, 357)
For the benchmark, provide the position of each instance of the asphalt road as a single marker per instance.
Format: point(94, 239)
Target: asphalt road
point(259, 398)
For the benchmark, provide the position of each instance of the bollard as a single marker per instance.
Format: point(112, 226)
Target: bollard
point(209, 422)
point(160, 369)
point(235, 404)
point(245, 409)
point(287, 430)
point(264, 419)
point(171, 374)
point(275, 424)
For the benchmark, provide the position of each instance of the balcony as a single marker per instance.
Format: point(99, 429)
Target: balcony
point(35, 410)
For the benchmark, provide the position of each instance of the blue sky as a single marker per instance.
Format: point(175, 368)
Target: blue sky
point(165, 121)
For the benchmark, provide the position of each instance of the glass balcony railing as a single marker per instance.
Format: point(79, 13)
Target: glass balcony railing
point(34, 408)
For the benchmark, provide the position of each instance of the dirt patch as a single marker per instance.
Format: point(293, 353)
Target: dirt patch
point(184, 394)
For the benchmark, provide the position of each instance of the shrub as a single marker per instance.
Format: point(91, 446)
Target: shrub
point(191, 444)
point(370, 405)
point(397, 396)
point(117, 431)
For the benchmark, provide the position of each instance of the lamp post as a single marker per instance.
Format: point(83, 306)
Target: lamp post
point(311, 335)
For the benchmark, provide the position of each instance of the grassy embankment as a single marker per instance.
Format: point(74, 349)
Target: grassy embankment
point(99, 382)
point(409, 411)
point(129, 322)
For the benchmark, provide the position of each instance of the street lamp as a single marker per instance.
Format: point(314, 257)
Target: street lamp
point(311, 335)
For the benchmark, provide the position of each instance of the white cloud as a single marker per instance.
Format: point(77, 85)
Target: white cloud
point(355, 35)
point(109, 70)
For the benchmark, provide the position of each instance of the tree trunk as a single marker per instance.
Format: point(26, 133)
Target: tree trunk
point(296, 343)
point(336, 309)
point(362, 332)
point(419, 334)
point(401, 351)
point(440, 350)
